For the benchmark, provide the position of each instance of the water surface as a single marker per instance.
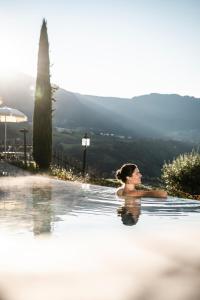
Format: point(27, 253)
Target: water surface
point(62, 240)
point(35, 205)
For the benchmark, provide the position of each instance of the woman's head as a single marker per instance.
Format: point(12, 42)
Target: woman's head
point(129, 173)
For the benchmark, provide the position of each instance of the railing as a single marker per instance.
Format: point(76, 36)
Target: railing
point(59, 159)
point(14, 156)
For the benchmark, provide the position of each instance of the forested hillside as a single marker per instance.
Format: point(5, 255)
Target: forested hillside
point(147, 130)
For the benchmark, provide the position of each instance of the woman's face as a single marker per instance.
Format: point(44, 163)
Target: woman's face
point(135, 177)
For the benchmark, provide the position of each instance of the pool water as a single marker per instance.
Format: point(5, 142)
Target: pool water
point(62, 240)
point(36, 205)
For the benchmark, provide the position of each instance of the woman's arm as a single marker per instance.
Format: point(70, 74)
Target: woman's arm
point(151, 193)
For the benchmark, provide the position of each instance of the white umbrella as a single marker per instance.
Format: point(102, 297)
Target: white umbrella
point(7, 115)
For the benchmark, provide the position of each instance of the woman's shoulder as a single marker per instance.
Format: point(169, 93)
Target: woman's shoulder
point(121, 192)
point(141, 193)
point(148, 193)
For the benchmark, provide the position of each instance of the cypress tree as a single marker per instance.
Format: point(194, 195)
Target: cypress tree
point(42, 118)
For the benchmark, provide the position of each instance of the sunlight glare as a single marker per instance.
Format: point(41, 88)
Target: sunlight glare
point(8, 58)
point(13, 55)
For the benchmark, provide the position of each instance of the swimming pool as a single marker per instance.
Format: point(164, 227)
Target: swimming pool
point(35, 205)
point(62, 240)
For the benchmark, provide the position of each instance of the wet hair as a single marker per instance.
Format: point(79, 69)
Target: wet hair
point(124, 171)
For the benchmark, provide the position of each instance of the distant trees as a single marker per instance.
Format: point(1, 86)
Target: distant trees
point(42, 118)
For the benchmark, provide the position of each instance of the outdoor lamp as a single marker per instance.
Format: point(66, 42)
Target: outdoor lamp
point(86, 141)
point(85, 144)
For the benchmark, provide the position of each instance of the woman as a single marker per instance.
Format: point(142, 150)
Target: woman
point(130, 175)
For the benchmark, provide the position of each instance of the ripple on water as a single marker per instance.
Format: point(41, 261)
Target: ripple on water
point(45, 205)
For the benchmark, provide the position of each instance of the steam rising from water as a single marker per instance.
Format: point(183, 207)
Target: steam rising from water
point(21, 182)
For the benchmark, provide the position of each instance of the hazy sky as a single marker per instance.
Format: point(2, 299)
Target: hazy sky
point(111, 48)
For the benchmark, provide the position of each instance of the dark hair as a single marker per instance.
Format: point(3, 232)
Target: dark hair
point(127, 217)
point(124, 171)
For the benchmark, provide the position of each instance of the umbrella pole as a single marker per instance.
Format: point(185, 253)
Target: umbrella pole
point(5, 137)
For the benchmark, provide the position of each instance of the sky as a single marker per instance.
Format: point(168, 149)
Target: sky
point(117, 48)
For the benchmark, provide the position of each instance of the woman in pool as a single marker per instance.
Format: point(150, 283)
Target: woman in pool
point(130, 176)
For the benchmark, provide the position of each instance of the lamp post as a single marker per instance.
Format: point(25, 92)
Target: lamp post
point(85, 144)
point(25, 131)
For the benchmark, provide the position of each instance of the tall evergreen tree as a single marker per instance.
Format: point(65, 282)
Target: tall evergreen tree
point(42, 118)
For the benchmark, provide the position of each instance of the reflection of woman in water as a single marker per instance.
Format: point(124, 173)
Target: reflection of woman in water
point(130, 176)
point(130, 212)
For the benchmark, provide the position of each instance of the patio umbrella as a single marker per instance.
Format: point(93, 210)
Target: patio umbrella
point(10, 115)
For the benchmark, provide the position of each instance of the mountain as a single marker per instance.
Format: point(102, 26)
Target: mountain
point(147, 130)
point(17, 91)
point(152, 116)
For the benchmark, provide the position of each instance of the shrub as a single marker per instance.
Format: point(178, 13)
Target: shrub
point(64, 174)
point(30, 166)
point(182, 175)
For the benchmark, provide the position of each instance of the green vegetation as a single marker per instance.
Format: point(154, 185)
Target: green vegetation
point(182, 175)
point(107, 153)
point(30, 166)
point(69, 175)
point(42, 119)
